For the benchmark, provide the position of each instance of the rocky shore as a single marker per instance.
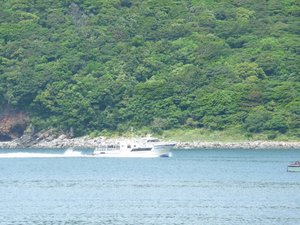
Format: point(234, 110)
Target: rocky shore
point(240, 145)
point(63, 141)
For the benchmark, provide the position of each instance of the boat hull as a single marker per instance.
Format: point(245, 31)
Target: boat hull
point(293, 169)
point(163, 150)
point(120, 153)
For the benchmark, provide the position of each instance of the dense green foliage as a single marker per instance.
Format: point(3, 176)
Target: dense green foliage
point(110, 65)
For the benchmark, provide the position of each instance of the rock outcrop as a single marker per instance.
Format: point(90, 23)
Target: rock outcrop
point(12, 125)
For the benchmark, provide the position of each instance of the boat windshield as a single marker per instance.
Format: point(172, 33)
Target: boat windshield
point(152, 140)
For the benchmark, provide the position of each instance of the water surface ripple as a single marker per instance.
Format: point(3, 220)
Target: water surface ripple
point(192, 188)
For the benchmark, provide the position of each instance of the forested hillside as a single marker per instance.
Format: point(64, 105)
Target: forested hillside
point(109, 65)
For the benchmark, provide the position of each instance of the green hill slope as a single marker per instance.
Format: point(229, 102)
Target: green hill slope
point(108, 65)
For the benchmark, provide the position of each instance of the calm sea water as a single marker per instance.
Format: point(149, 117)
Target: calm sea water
point(193, 187)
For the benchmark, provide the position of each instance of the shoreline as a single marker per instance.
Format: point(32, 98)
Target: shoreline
point(63, 141)
point(240, 145)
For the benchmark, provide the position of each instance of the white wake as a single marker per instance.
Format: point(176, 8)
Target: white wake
point(70, 152)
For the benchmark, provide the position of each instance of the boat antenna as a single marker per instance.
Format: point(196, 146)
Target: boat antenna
point(131, 132)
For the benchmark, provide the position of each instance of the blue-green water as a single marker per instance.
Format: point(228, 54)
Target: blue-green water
point(191, 188)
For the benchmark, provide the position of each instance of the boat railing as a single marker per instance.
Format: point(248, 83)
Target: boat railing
point(108, 148)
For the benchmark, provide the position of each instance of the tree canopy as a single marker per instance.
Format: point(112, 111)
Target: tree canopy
point(97, 65)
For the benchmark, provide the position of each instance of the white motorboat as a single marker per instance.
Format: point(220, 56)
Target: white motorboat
point(145, 147)
point(294, 167)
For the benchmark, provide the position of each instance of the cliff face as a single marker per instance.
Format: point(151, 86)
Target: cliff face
point(12, 125)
